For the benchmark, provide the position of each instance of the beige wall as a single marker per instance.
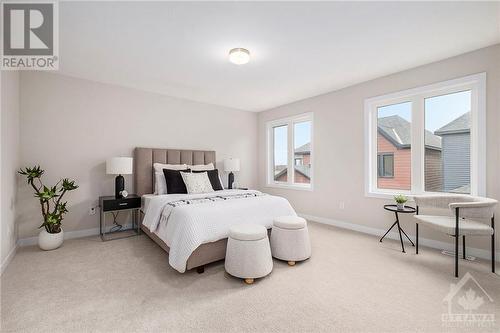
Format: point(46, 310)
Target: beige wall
point(339, 142)
point(70, 126)
point(9, 160)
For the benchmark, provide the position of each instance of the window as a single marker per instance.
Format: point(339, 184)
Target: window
point(280, 156)
point(290, 152)
point(385, 166)
point(427, 139)
point(394, 146)
point(447, 137)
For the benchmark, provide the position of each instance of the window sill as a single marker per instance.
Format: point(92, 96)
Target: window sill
point(388, 194)
point(291, 187)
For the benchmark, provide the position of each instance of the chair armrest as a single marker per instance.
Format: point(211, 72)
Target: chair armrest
point(484, 208)
point(474, 204)
point(438, 200)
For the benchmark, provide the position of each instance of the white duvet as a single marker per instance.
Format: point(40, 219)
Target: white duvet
point(186, 227)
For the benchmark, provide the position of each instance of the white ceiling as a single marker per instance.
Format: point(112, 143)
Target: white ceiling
point(298, 49)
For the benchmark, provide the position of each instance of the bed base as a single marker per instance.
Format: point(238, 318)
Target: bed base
point(203, 255)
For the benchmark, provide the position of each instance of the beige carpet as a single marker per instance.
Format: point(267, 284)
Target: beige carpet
point(352, 283)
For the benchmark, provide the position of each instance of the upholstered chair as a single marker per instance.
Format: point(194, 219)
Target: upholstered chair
point(471, 216)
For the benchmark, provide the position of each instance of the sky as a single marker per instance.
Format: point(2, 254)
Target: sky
point(302, 135)
point(439, 110)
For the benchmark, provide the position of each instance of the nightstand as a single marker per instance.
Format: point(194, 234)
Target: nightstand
point(113, 205)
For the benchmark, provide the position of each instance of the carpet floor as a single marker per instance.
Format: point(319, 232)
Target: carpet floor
point(352, 283)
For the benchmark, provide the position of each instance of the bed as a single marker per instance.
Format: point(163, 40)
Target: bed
point(195, 235)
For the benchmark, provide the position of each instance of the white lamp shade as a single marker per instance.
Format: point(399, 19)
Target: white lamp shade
point(119, 165)
point(232, 164)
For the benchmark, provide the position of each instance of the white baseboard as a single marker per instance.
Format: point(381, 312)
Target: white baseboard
point(9, 258)
point(70, 235)
point(480, 253)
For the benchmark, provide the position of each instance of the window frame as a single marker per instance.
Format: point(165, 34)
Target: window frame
point(290, 122)
point(380, 162)
point(476, 83)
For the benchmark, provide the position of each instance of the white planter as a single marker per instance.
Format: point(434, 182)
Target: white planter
point(47, 241)
point(400, 206)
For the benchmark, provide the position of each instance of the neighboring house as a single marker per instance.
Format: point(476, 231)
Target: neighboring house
point(394, 156)
point(456, 154)
point(302, 166)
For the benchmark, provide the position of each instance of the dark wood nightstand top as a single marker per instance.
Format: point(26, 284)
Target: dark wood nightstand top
point(111, 203)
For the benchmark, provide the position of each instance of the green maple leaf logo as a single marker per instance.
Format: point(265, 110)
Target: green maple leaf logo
point(470, 301)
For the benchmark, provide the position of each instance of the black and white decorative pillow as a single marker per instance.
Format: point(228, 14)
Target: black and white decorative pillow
point(213, 176)
point(174, 181)
point(197, 182)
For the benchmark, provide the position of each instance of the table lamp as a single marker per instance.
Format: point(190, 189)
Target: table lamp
point(119, 166)
point(230, 165)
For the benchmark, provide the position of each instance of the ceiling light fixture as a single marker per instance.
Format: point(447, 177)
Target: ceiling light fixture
point(239, 56)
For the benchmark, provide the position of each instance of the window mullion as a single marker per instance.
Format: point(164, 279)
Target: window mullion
point(271, 155)
point(417, 145)
point(290, 164)
point(373, 148)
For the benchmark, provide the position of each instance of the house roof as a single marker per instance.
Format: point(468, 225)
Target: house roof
point(459, 125)
point(304, 149)
point(305, 170)
point(398, 131)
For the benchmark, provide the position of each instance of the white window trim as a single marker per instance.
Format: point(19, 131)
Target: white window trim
point(290, 121)
point(477, 84)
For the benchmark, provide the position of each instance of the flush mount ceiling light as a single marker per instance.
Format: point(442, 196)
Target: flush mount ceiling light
point(239, 56)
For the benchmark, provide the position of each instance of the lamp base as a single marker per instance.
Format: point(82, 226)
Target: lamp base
point(230, 180)
point(119, 186)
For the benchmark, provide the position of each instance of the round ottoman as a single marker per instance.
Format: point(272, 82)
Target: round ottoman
point(248, 255)
point(290, 239)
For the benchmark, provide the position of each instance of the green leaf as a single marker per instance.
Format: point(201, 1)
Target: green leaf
point(68, 185)
point(47, 193)
point(61, 208)
point(400, 199)
point(31, 173)
point(52, 219)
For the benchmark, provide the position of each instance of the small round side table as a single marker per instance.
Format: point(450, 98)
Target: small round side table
point(405, 210)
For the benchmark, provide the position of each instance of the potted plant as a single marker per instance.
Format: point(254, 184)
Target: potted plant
point(400, 201)
point(53, 208)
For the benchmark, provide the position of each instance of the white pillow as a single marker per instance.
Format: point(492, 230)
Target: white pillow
point(160, 166)
point(201, 167)
point(160, 181)
point(221, 183)
point(197, 182)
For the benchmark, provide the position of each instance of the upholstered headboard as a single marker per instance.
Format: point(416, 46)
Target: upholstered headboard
point(145, 157)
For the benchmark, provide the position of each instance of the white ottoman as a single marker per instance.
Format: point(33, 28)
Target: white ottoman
point(248, 255)
point(290, 239)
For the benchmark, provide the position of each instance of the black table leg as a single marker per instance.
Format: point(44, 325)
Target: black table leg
point(399, 229)
point(392, 226)
point(406, 209)
point(407, 237)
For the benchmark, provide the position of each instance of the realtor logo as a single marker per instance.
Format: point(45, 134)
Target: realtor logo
point(30, 36)
point(469, 305)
